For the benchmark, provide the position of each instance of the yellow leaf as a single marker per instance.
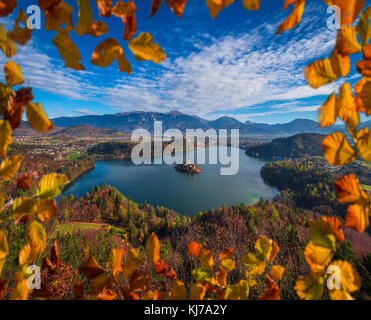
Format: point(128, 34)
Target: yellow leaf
point(46, 209)
point(143, 48)
point(7, 46)
point(23, 209)
point(340, 65)
point(178, 292)
point(317, 257)
point(349, 9)
point(310, 287)
point(321, 233)
point(21, 290)
point(206, 259)
point(85, 18)
point(294, 18)
point(364, 26)
point(327, 113)
point(51, 185)
point(349, 280)
point(263, 247)
point(348, 189)
point(115, 261)
point(153, 248)
point(337, 150)
point(357, 217)
point(363, 144)
point(238, 291)
point(110, 50)
point(346, 41)
point(10, 166)
point(37, 236)
point(68, 50)
point(336, 227)
point(216, 5)
point(276, 272)
point(198, 292)
point(363, 93)
point(5, 136)
point(227, 265)
point(37, 117)
point(18, 34)
point(2, 262)
point(5, 93)
point(133, 262)
point(3, 246)
point(27, 255)
point(254, 265)
point(251, 4)
point(59, 17)
point(346, 107)
point(13, 74)
point(319, 73)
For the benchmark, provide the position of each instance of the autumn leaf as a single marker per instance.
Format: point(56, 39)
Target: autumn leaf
point(364, 67)
point(254, 265)
point(363, 144)
point(115, 261)
point(348, 189)
point(51, 185)
point(37, 236)
point(132, 263)
point(272, 292)
point(364, 26)
point(251, 4)
point(110, 50)
point(156, 5)
point(21, 290)
point(349, 9)
point(5, 136)
point(3, 285)
point(226, 253)
point(92, 269)
point(194, 248)
point(27, 255)
point(127, 13)
point(7, 7)
point(99, 28)
point(105, 7)
point(198, 291)
point(319, 73)
point(37, 117)
point(363, 95)
point(18, 34)
point(23, 209)
point(85, 18)
point(5, 93)
point(276, 272)
point(346, 106)
point(143, 48)
point(178, 291)
point(337, 150)
point(23, 182)
point(310, 287)
point(346, 41)
point(46, 209)
point(7, 46)
point(294, 18)
point(68, 50)
point(216, 5)
point(13, 74)
point(327, 113)
point(317, 257)
point(10, 166)
point(336, 227)
point(59, 16)
point(263, 247)
point(206, 259)
point(4, 249)
point(139, 279)
point(177, 6)
point(227, 265)
point(321, 233)
point(349, 281)
point(357, 217)
point(153, 248)
point(340, 65)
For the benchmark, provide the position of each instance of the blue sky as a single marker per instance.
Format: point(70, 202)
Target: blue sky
point(234, 65)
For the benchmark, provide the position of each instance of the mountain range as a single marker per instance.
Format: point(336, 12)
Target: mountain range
point(129, 121)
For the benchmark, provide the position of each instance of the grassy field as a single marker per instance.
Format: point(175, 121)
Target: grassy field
point(73, 227)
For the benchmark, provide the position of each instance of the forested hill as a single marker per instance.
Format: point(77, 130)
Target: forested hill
point(297, 146)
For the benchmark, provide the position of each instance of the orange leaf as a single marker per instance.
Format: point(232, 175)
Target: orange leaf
point(7, 7)
point(153, 248)
point(156, 4)
point(216, 5)
point(294, 18)
point(23, 182)
point(226, 253)
point(357, 217)
point(327, 113)
point(127, 13)
point(336, 227)
point(337, 150)
point(194, 248)
point(348, 189)
point(319, 73)
point(346, 107)
point(272, 292)
point(18, 34)
point(346, 41)
point(363, 95)
point(177, 6)
point(274, 252)
point(349, 9)
point(105, 7)
point(91, 268)
point(364, 67)
point(340, 65)
point(251, 4)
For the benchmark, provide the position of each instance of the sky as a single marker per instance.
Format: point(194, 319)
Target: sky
point(233, 66)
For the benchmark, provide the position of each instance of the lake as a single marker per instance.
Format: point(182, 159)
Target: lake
point(162, 185)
